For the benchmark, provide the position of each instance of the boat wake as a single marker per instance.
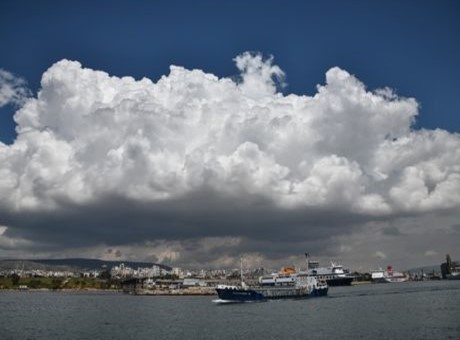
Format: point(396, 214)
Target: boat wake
point(227, 302)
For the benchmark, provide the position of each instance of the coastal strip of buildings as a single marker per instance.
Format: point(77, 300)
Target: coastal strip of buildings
point(162, 280)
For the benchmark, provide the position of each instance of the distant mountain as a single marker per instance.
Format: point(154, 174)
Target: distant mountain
point(73, 263)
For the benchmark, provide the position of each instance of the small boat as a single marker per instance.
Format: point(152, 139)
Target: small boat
point(378, 276)
point(453, 276)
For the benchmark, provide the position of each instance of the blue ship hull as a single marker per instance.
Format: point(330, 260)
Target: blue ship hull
point(264, 294)
point(340, 281)
point(240, 295)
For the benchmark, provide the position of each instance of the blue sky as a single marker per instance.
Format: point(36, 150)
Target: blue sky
point(410, 46)
point(196, 168)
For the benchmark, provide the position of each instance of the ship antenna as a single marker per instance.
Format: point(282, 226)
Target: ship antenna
point(306, 255)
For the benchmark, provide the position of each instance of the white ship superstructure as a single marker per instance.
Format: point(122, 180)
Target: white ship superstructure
point(388, 276)
point(335, 275)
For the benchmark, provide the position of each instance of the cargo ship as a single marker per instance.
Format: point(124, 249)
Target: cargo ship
point(287, 284)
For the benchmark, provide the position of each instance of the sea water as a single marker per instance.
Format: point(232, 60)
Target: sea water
point(412, 310)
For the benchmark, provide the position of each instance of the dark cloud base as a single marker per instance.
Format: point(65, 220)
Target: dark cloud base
point(116, 220)
point(262, 227)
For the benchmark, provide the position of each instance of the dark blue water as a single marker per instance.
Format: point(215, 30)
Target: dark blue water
point(415, 310)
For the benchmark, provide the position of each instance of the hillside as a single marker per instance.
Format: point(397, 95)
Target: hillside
point(70, 264)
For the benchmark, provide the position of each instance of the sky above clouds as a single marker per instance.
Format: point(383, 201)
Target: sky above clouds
point(199, 163)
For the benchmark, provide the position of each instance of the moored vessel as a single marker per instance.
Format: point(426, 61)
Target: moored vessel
point(335, 275)
point(450, 269)
point(392, 276)
point(453, 276)
point(388, 276)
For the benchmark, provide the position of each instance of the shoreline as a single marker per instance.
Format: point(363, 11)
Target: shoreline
point(142, 292)
point(60, 290)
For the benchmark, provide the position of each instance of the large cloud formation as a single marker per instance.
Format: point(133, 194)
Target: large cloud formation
point(102, 160)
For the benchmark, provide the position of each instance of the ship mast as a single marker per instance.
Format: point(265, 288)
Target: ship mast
point(241, 273)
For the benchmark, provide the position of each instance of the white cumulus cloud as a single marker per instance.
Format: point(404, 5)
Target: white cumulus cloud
point(88, 134)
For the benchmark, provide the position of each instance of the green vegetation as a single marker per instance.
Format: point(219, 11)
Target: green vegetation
point(56, 283)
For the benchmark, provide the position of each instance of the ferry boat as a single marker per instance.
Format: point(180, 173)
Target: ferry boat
point(388, 276)
point(392, 276)
point(334, 275)
point(288, 284)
